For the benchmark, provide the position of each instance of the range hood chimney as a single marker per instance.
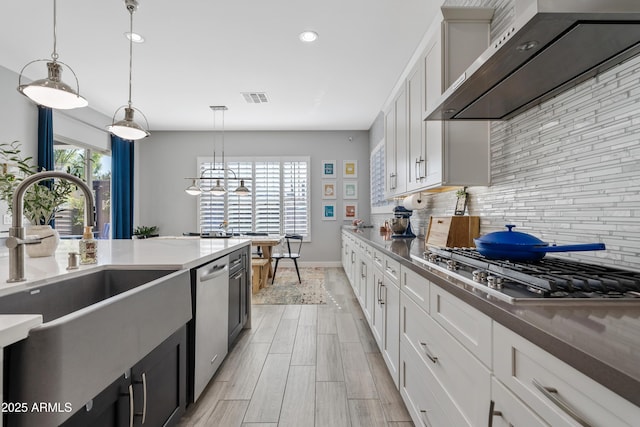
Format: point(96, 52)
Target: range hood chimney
point(551, 46)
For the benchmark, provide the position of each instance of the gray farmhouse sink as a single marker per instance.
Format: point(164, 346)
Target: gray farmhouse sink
point(96, 326)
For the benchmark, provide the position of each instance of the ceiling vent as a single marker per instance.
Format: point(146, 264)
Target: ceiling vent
point(255, 97)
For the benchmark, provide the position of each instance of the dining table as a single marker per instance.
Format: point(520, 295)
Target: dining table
point(264, 245)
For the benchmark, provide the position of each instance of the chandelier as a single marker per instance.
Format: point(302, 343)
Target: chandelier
point(221, 175)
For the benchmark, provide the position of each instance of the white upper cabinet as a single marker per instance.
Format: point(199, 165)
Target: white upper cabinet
point(395, 121)
point(424, 156)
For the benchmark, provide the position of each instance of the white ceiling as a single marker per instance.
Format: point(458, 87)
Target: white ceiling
point(205, 52)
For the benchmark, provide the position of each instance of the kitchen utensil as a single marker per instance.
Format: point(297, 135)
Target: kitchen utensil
point(516, 246)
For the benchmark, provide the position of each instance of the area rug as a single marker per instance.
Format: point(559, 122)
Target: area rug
point(287, 290)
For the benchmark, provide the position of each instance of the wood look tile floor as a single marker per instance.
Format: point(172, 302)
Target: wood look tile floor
point(303, 365)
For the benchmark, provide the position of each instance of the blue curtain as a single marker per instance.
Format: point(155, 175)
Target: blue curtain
point(122, 187)
point(45, 138)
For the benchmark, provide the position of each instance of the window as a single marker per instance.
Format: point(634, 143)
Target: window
point(94, 168)
point(278, 203)
point(377, 179)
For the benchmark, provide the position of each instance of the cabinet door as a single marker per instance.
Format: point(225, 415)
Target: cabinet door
point(391, 347)
point(160, 383)
point(390, 176)
point(402, 160)
point(377, 326)
point(369, 285)
point(416, 126)
point(108, 409)
point(237, 304)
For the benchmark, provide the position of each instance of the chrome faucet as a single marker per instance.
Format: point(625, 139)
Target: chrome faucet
point(16, 241)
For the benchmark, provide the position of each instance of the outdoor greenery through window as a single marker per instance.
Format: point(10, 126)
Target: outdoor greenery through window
point(278, 203)
point(94, 168)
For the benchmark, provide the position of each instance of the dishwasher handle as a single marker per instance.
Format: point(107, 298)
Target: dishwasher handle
point(215, 271)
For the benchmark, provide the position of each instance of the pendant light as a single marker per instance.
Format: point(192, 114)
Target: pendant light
point(220, 174)
point(127, 128)
point(52, 92)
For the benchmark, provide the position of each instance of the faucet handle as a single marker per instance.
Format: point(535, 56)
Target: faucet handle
point(13, 242)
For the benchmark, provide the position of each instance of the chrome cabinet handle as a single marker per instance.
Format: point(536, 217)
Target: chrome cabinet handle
point(131, 409)
point(431, 357)
point(363, 270)
point(493, 413)
point(552, 394)
point(237, 276)
point(144, 397)
point(379, 291)
point(423, 417)
point(382, 300)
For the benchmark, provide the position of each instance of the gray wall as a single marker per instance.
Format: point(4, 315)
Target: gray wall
point(567, 171)
point(166, 158)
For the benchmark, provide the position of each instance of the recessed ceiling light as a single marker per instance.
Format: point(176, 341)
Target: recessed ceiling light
point(134, 37)
point(308, 36)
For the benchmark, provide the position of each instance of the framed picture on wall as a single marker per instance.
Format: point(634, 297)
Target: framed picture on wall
point(328, 189)
point(329, 211)
point(350, 169)
point(329, 169)
point(350, 189)
point(350, 211)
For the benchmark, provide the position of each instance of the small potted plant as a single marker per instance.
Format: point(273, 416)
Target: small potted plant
point(41, 202)
point(144, 232)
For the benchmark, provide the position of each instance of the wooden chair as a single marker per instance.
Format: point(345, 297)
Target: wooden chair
point(293, 245)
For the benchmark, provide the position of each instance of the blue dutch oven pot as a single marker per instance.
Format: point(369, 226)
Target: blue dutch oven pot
point(516, 246)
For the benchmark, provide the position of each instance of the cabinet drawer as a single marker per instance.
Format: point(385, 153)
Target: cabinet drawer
point(508, 410)
point(415, 287)
point(391, 269)
point(463, 376)
point(531, 373)
point(423, 395)
point(468, 325)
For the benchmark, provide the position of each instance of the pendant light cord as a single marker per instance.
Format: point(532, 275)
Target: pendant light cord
point(131, 9)
point(54, 54)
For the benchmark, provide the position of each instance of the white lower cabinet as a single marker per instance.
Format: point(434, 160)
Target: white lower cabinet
point(426, 400)
point(555, 391)
point(464, 378)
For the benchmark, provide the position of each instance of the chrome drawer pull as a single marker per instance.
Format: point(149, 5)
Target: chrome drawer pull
point(144, 397)
point(431, 357)
point(552, 394)
point(131, 409)
point(493, 413)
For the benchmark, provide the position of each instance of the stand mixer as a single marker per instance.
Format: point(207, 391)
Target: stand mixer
point(401, 224)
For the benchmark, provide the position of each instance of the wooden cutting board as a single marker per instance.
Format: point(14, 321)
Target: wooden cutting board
point(453, 231)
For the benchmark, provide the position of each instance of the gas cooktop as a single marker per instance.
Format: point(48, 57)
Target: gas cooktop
point(546, 281)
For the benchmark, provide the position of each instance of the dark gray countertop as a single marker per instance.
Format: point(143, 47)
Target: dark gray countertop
point(600, 340)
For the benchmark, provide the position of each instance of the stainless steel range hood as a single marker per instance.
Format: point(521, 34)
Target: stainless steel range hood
point(551, 46)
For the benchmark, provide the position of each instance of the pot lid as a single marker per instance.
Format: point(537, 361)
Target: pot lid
point(510, 237)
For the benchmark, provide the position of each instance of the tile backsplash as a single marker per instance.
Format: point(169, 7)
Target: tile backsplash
point(566, 171)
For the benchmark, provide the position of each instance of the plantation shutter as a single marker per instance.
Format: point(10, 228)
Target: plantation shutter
point(294, 197)
point(239, 208)
point(211, 207)
point(278, 203)
point(267, 196)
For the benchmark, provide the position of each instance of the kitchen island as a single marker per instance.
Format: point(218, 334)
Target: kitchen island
point(597, 339)
point(145, 314)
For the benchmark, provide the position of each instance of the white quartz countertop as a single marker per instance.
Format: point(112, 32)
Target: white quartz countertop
point(158, 253)
point(15, 327)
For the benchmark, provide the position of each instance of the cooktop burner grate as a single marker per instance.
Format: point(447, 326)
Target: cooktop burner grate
point(553, 277)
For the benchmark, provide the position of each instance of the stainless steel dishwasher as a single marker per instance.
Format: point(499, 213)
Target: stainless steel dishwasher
point(211, 321)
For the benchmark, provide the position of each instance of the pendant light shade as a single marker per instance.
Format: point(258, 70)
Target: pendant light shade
point(193, 189)
point(52, 92)
point(218, 189)
point(242, 190)
point(127, 128)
